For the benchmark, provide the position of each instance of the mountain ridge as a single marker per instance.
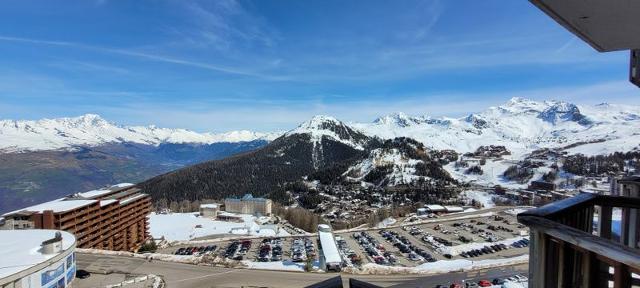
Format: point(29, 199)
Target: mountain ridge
point(521, 124)
point(93, 130)
point(322, 146)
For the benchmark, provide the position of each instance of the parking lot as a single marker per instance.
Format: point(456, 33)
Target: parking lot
point(268, 249)
point(494, 237)
point(499, 236)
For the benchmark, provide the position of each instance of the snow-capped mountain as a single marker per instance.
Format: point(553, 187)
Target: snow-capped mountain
point(522, 126)
point(321, 127)
point(92, 130)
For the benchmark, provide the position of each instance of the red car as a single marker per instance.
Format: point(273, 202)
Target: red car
point(485, 283)
point(456, 285)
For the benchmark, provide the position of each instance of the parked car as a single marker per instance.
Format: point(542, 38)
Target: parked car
point(82, 274)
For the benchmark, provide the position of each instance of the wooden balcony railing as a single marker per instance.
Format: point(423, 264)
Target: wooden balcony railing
point(569, 249)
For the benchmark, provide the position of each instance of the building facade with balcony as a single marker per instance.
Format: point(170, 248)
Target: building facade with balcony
point(578, 242)
point(591, 240)
point(114, 218)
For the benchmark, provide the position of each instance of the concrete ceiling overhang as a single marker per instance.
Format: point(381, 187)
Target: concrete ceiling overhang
point(607, 25)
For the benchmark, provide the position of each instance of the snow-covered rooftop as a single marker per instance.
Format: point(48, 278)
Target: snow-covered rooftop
point(246, 197)
point(100, 192)
point(122, 185)
point(77, 200)
point(136, 197)
point(94, 193)
point(107, 202)
point(212, 205)
point(57, 206)
point(329, 248)
point(453, 208)
point(20, 249)
point(435, 207)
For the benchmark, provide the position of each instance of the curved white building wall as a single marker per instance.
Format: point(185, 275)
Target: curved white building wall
point(24, 265)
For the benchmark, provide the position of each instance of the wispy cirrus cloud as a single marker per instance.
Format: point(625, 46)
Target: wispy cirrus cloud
point(150, 57)
point(84, 66)
point(226, 25)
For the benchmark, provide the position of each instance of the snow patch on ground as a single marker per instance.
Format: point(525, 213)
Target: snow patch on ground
point(286, 265)
point(387, 222)
point(484, 198)
point(182, 226)
point(442, 266)
point(492, 173)
point(187, 259)
point(516, 211)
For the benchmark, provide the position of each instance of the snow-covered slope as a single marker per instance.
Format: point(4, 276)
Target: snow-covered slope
point(402, 168)
point(321, 126)
point(91, 130)
point(401, 161)
point(522, 126)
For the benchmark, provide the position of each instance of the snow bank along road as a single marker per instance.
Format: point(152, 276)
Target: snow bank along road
point(178, 275)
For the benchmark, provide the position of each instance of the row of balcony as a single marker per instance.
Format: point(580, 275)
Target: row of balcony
point(573, 243)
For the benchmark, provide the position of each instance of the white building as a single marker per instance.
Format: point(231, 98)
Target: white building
point(209, 210)
point(36, 258)
point(330, 259)
point(453, 209)
point(248, 205)
point(435, 208)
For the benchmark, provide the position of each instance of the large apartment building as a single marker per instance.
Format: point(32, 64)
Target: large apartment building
point(248, 205)
point(113, 218)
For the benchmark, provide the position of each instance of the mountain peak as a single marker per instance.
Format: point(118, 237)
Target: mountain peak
point(318, 123)
point(397, 118)
point(89, 120)
point(477, 121)
point(317, 119)
point(518, 100)
point(560, 110)
point(321, 126)
point(520, 103)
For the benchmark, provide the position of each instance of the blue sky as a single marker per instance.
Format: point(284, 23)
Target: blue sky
point(267, 65)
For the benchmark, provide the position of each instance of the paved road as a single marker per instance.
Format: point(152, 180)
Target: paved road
point(187, 276)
